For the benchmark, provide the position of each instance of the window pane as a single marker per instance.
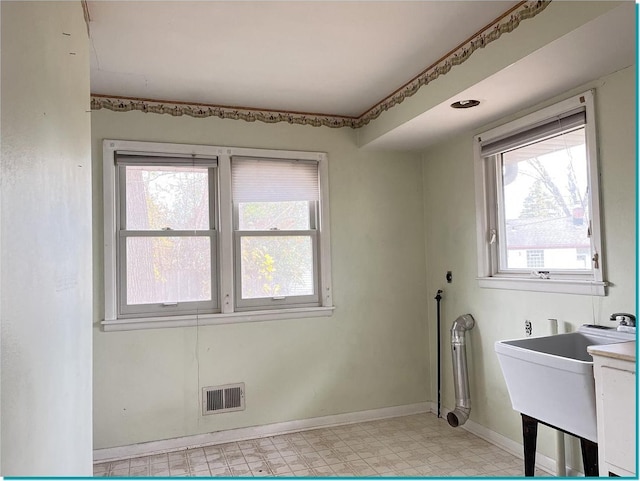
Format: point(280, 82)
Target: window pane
point(168, 269)
point(167, 197)
point(291, 215)
point(545, 204)
point(276, 266)
point(535, 259)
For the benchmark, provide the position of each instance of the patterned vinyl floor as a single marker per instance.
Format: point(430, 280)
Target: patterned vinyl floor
point(417, 445)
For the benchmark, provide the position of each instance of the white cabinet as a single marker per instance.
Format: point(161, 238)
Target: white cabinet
point(614, 369)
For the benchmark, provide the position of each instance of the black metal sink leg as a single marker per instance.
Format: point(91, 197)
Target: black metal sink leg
point(589, 457)
point(529, 437)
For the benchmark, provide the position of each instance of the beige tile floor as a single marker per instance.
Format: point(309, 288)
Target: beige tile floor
point(417, 445)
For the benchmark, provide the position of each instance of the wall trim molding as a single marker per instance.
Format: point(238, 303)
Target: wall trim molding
point(87, 16)
point(506, 23)
point(252, 432)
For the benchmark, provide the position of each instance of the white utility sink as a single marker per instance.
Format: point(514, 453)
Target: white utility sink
point(551, 378)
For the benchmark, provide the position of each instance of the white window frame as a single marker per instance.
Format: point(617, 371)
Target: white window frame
point(126, 310)
point(488, 224)
point(248, 304)
point(226, 311)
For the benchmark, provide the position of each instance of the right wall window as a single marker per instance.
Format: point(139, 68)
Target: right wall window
point(538, 204)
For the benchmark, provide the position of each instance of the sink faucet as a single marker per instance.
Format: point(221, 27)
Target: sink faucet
point(624, 318)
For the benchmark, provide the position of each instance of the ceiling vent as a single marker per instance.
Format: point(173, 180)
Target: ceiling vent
point(222, 399)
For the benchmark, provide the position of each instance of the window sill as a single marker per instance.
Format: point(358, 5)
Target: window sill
point(214, 319)
point(562, 286)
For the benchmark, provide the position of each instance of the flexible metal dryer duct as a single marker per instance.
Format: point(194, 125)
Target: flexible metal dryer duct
point(460, 414)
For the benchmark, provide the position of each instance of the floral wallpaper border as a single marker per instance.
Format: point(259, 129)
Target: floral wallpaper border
point(505, 24)
point(177, 109)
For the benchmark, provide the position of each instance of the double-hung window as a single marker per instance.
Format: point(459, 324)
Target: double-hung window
point(198, 235)
point(166, 236)
point(537, 202)
point(275, 215)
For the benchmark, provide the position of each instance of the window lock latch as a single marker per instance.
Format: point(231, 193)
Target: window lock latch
point(596, 261)
point(541, 274)
point(492, 236)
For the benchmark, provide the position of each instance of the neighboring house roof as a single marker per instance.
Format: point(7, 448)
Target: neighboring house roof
point(540, 233)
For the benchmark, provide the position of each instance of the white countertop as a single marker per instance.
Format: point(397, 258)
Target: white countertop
point(625, 351)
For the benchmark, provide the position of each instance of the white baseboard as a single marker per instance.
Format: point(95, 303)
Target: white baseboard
point(543, 462)
point(253, 432)
point(512, 447)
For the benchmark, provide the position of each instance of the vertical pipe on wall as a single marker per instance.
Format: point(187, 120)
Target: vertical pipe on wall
point(438, 298)
point(561, 462)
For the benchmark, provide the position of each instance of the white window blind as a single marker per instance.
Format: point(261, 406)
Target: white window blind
point(536, 133)
point(160, 159)
point(268, 180)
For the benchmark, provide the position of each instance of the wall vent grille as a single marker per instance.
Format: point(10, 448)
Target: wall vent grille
point(222, 399)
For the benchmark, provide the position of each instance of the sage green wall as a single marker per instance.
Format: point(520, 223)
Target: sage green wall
point(370, 354)
point(449, 202)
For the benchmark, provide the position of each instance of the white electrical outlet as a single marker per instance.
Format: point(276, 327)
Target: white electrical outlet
point(528, 330)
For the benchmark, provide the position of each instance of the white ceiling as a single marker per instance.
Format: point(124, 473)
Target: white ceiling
point(602, 46)
point(335, 57)
point(330, 57)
